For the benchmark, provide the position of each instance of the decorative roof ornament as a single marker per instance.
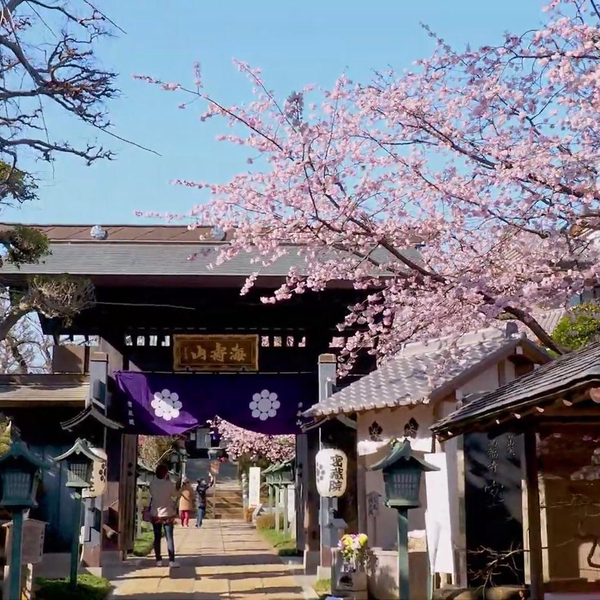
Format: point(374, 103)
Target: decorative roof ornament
point(218, 234)
point(97, 233)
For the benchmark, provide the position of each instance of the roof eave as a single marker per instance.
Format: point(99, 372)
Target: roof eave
point(449, 428)
point(447, 387)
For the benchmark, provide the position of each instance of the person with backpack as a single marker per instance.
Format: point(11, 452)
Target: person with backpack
point(201, 490)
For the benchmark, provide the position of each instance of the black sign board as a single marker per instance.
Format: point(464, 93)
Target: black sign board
point(493, 508)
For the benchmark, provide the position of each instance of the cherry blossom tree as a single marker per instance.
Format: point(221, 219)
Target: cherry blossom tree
point(255, 446)
point(485, 159)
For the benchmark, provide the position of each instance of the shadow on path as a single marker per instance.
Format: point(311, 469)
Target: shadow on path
point(223, 559)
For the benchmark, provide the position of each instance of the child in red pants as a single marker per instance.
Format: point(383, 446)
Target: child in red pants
point(186, 502)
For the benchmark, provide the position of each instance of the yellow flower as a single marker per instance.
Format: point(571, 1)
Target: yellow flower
point(363, 539)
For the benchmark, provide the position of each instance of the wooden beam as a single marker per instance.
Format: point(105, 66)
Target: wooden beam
point(533, 523)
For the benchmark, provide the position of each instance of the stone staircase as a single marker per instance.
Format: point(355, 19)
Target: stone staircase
point(225, 500)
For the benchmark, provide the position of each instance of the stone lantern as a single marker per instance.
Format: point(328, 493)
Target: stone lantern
point(20, 476)
point(402, 472)
point(20, 472)
point(287, 472)
point(80, 461)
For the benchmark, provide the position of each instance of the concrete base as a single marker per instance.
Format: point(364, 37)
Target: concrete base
point(323, 572)
point(311, 561)
point(111, 558)
point(383, 577)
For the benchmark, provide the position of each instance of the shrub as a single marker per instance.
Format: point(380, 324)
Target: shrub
point(579, 327)
point(89, 587)
point(322, 587)
point(267, 521)
point(281, 543)
point(142, 546)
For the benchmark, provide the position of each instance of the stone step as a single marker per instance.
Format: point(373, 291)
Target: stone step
point(220, 494)
point(221, 500)
point(226, 515)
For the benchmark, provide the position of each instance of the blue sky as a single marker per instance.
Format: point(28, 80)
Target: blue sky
point(294, 43)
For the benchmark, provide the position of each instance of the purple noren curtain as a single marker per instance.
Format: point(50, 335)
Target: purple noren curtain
point(169, 404)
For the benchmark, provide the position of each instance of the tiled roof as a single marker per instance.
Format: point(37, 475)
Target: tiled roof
point(127, 258)
point(23, 390)
point(548, 320)
point(90, 413)
point(552, 379)
point(122, 233)
point(411, 377)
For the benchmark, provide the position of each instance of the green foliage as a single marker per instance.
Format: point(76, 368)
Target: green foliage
point(15, 184)
point(89, 587)
point(4, 436)
point(322, 587)
point(142, 546)
point(24, 244)
point(579, 327)
point(283, 544)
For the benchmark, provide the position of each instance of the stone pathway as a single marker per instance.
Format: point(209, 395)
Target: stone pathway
point(223, 559)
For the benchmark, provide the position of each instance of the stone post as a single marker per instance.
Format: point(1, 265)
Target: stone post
point(327, 375)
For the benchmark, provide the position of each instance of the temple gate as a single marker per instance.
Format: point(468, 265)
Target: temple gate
point(152, 330)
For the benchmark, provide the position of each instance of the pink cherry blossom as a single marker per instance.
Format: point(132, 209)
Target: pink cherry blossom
point(241, 442)
point(485, 159)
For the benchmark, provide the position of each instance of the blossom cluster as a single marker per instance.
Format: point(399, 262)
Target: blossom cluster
point(254, 446)
point(354, 548)
point(460, 192)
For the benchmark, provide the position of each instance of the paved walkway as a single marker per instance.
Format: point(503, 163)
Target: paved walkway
point(223, 559)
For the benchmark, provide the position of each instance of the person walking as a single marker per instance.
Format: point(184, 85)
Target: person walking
point(186, 502)
point(164, 495)
point(201, 490)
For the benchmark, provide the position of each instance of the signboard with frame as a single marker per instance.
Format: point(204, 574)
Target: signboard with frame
point(215, 352)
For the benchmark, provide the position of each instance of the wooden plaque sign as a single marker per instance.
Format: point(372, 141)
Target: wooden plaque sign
point(32, 548)
point(215, 352)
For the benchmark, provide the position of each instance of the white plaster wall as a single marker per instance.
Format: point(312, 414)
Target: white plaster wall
point(484, 382)
point(382, 530)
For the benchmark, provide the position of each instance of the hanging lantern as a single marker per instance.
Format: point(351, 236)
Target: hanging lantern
point(332, 472)
point(98, 482)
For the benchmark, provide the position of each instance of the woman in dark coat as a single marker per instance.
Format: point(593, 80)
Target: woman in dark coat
point(201, 490)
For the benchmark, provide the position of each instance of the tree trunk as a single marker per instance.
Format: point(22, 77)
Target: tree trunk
point(10, 320)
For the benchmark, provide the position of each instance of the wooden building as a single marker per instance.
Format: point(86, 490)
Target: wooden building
point(404, 397)
point(555, 409)
point(154, 283)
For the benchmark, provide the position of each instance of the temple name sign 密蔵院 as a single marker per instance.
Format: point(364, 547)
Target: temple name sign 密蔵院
point(215, 352)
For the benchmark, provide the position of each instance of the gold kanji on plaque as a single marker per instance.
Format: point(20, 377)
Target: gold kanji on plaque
point(199, 354)
point(238, 354)
point(215, 352)
point(219, 353)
